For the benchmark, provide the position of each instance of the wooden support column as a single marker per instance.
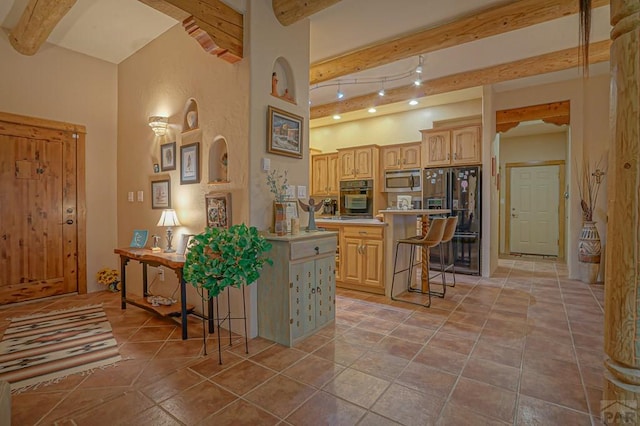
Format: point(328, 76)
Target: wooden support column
point(622, 282)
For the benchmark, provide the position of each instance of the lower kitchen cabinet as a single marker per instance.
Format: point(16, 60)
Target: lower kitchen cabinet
point(296, 296)
point(362, 253)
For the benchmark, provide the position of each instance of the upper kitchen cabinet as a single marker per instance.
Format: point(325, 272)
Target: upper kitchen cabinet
point(401, 156)
point(358, 163)
point(324, 174)
point(457, 146)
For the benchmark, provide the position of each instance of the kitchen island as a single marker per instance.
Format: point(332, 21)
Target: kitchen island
point(403, 224)
point(360, 253)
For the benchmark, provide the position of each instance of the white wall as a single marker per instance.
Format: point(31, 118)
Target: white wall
point(390, 129)
point(61, 85)
point(516, 149)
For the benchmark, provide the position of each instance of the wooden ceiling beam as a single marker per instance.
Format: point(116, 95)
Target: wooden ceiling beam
point(39, 18)
point(217, 27)
point(542, 64)
point(557, 113)
point(291, 11)
point(490, 22)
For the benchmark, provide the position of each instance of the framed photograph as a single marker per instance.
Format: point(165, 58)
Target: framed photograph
point(161, 194)
point(218, 209)
point(139, 238)
point(168, 156)
point(284, 133)
point(190, 163)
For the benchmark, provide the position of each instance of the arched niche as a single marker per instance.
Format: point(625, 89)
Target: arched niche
point(218, 161)
point(191, 119)
point(282, 81)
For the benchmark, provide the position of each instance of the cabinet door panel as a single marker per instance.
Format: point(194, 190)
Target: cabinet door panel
point(320, 173)
point(411, 157)
point(438, 145)
point(332, 174)
point(351, 260)
point(346, 162)
point(309, 288)
point(372, 269)
point(323, 272)
point(363, 162)
point(391, 158)
point(466, 145)
point(296, 291)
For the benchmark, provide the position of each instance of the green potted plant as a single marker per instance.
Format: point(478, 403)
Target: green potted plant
point(220, 257)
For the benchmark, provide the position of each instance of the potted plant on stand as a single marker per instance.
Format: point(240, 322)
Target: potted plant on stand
point(589, 245)
point(219, 258)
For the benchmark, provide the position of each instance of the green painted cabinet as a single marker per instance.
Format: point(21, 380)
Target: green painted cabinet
point(296, 296)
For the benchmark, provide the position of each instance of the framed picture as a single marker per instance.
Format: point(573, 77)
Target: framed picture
point(218, 209)
point(284, 132)
point(190, 163)
point(139, 238)
point(161, 194)
point(168, 156)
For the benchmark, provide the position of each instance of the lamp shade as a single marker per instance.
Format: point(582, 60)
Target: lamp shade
point(159, 125)
point(169, 218)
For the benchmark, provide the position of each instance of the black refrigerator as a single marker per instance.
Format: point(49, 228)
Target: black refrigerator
point(457, 189)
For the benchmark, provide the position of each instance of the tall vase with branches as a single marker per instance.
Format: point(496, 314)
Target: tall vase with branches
point(589, 245)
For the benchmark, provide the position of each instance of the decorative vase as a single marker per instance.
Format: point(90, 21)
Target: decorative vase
point(589, 251)
point(279, 218)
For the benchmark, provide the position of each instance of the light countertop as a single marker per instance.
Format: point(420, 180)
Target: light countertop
point(370, 222)
point(416, 212)
point(302, 235)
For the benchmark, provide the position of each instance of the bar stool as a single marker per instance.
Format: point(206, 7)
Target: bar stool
point(447, 237)
point(431, 239)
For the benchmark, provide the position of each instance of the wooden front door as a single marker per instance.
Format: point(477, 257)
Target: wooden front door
point(39, 203)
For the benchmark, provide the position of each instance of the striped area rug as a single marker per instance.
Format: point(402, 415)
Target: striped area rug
point(46, 347)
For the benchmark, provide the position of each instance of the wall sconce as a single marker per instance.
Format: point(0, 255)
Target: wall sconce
point(158, 124)
point(169, 219)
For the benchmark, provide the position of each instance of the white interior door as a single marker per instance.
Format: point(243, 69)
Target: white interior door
point(534, 210)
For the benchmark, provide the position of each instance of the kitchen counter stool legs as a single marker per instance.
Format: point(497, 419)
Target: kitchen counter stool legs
point(431, 239)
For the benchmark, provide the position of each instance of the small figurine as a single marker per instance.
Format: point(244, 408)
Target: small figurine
point(274, 85)
point(156, 240)
point(311, 208)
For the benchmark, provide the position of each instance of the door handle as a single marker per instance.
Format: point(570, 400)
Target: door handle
point(514, 215)
point(68, 222)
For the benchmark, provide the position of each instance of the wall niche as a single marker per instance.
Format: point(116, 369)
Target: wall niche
point(190, 120)
point(218, 161)
point(282, 82)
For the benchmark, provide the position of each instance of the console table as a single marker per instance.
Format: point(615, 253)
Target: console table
point(173, 261)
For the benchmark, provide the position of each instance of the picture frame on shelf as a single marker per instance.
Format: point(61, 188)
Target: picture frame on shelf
point(139, 238)
point(185, 240)
point(168, 156)
point(284, 133)
point(161, 194)
point(190, 163)
point(218, 209)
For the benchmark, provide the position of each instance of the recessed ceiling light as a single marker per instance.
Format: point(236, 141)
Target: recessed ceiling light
point(337, 117)
point(413, 102)
point(372, 110)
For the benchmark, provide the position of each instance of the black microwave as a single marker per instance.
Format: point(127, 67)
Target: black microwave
point(403, 181)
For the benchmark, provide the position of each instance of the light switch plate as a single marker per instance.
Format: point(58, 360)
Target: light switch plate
point(266, 164)
point(130, 196)
point(140, 196)
point(302, 191)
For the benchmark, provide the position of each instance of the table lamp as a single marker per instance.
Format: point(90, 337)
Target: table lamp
point(169, 219)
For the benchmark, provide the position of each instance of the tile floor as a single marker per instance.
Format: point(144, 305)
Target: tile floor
point(524, 347)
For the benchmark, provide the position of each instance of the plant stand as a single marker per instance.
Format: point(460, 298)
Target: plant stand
point(219, 320)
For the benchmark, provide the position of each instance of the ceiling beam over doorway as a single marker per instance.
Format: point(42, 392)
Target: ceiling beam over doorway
point(217, 27)
point(542, 64)
point(291, 11)
point(39, 18)
point(486, 23)
point(554, 113)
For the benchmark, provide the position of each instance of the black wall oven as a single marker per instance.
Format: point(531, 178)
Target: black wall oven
point(356, 198)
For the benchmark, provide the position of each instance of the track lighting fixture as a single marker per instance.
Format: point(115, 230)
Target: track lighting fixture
point(420, 64)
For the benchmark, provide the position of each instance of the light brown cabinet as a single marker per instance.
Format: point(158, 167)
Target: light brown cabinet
point(457, 146)
point(400, 157)
point(357, 163)
point(324, 175)
point(362, 253)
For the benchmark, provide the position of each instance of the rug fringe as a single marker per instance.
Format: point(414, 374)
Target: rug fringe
point(57, 311)
point(55, 380)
